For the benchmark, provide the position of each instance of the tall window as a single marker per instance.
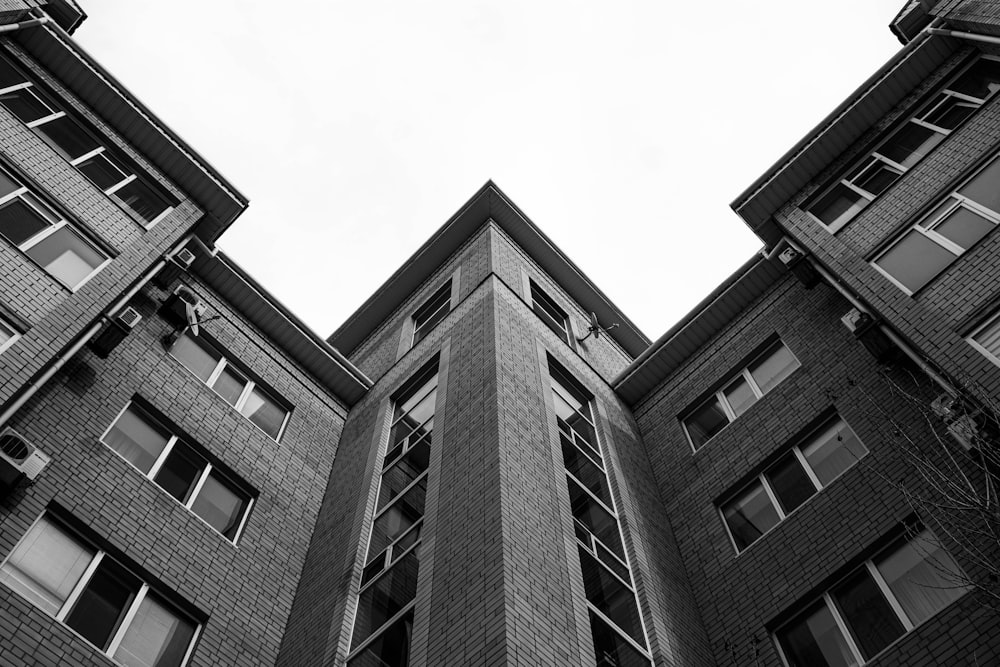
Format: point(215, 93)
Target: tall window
point(793, 479)
point(249, 397)
point(877, 171)
point(37, 230)
point(104, 165)
point(99, 598)
point(873, 605)
point(615, 624)
point(181, 469)
point(737, 395)
point(431, 312)
point(549, 311)
point(944, 234)
point(384, 619)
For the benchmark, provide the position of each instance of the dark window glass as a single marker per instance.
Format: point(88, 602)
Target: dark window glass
point(7, 184)
point(101, 606)
point(19, 222)
point(949, 112)
point(867, 613)
point(398, 518)
point(180, 471)
point(391, 648)
point(910, 143)
point(963, 227)
point(103, 170)
point(386, 596)
point(433, 311)
point(914, 260)
point(24, 104)
point(68, 137)
point(572, 424)
point(611, 649)
point(142, 199)
point(595, 518)
point(984, 189)
point(814, 640)
point(979, 81)
point(838, 205)
point(874, 177)
point(583, 468)
point(750, 515)
point(610, 597)
point(9, 75)
point(790, 482)
point(221, 505)
point(706, 421)
point(402, 473)
point(550, 312)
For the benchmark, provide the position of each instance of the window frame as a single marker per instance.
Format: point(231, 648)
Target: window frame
point(827, 599)
point(221, 365)
point(420, 325)
point(541, 301)
point(12, 332)
point(27, 196)
point(940, 209)
point(720, 393)
point(991, 322)
point(862, 163)
point(98, 557)
point(761, 479)
point(196, 488)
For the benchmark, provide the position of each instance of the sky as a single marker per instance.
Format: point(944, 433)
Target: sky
point(623, 130)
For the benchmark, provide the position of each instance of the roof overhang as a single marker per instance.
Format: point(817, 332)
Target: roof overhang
point(109, 99)
point(262, 309)
point(845, 125)
point(489, 203)
point(713, 314)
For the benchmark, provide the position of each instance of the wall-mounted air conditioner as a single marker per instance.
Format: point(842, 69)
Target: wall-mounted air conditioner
point(177, 264)
point(19, 459)
point(115, 331)
point(184, 308)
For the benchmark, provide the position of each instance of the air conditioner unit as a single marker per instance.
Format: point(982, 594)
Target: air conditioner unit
point(796, 262)
point(115, 331)
point(178, 263)
point(19, 459)
point(866, 329)
point(184, 308)
point(964, 429)
point(947, 407)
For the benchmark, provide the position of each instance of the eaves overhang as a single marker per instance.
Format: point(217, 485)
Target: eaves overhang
point(489, 203)
point(108, 98)
point(247, 297)
point(713, 314)
point(835, 134)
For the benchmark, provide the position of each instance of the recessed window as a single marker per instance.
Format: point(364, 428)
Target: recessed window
point(549, 311)
point(99, 598)
point(251, 399)
point(738, 394)
point(42, 234)
point(986, 339)
point(180, 469)
point(944, 234)
point(874, 605)
point(104, 165)
point(800, 473)
point(431, 312)
point(8, 334)
point(877, 171)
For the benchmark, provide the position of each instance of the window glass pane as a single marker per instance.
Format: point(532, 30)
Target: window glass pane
point(142, 199)
point(814, 640)
point(949, 112)
point(229, 384)
point(9, 76)
point(220, 505)
point(550, 312)
point(137, 438)
point(398, 518)
point(196, 357)
point(68, 137)
point(585, 471)
point(66, 256)
point(103, 170)
point(24, 104)
point(740, 396)
point(610, 597)
point(838, 205)
point(6, 333)
point(263, 411)
point(595, 518)
point(774, 367)
point(874, 177)
point(611, 649)
point(102, 605)
point(984, 189)
point(914, 260)
point(180, 472)
point(7, 184)
point(910, 143)
point(750, 515)
point(391, 649)
point(573, 424)
point(963, 227)
point(980, 81)
point(156, 637)
point(706, 421)
point(922, 576)
point(19, 222)
point(45, 566)
point(833, 451)
point(790, 482)
point(867, 613)
point(403, 472)
point(989, 338)
point(386, 596)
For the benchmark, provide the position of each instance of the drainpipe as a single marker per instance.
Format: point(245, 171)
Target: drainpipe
point(855, 301)
point(970, 36)
point(30, 23)
point(87, 335)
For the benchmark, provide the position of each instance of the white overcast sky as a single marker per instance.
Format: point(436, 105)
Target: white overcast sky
point(622, 129)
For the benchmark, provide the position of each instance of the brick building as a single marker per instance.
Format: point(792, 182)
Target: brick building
point(476, 468)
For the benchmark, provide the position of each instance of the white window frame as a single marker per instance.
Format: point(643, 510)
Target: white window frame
point(88, 573)
point(12, 333)
point(828, 427)
point(196, 488)
point(926, 226)
point(831, 605)
point(992, 323)
point(32, 201)
point(720, 394)
point(245, 393)
point(942, 96)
